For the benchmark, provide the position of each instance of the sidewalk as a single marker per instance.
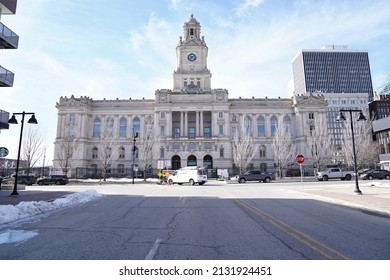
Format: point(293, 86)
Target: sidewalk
point(375, 197)
point(25, 195)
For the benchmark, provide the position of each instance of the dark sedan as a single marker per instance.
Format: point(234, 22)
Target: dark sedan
point(375, 174)
point(53, 179)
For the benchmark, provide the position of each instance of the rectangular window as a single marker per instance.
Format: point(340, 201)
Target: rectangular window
point(162, 130)
point(220, 129)
point(192, 146)
point(71, 131)
point(72, 118)
point(208, 146)
point(311, 116)
point(261, 129)
point(220, 115)
point(221, 152)
point(176, 132)
point(207, 132)
point(234, 131)
point(162, 153)
point(162, 115)
point(175, 146)
point(121, 168)
point(191, 132)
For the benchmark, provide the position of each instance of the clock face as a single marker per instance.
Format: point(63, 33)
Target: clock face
point(191, 57)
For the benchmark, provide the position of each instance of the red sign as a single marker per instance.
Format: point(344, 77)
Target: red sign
point(300, 159)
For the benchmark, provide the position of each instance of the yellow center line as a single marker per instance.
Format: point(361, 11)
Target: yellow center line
point(305, 239)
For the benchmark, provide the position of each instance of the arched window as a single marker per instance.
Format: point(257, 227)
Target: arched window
point(95, 152)
point(274, 125)
point(136, 125)
point(263, 151)
point(208, 162)
point(176, 162)
point(248, 124)
point(122, 127)
point(96, 127)
point(260, 126)
point(191, 161)
point(287, 124)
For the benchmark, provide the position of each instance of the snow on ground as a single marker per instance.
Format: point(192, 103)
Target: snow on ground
point(26, 209)
point(121, 180)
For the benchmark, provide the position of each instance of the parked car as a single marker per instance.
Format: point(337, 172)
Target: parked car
point(256, 175)
point(53, 179)
point(26, 179)
point(334, 173)
point(375, 174)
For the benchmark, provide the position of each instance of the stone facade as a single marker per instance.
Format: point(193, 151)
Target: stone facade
point(193, 123)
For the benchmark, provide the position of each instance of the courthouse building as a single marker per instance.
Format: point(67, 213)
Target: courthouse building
point(194, 124)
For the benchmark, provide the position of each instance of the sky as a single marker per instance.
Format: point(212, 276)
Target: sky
point(127, 49)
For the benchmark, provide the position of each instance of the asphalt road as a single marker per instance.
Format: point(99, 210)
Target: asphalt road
point(211, 222)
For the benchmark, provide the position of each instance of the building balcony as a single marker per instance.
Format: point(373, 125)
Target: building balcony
point(6, 78)
point(8, 7)
point(8, 39)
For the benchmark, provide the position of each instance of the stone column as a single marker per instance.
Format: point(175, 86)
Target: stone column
point(198, 133)
point(201, 124)
point(185, 124)
point(182, 124)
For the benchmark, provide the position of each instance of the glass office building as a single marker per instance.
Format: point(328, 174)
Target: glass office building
point(332, 69)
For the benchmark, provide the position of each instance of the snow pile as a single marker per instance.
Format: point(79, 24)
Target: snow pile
point(25, 209)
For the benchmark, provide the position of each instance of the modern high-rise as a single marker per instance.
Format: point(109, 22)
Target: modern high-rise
point(342, 75)
point(332, 70)
point(8, 40)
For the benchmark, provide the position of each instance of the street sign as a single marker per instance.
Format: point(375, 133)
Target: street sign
point(3, 152)
point(300, 159)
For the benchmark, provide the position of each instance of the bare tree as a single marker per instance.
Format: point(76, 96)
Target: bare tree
point(32, 149)
point(367, 151)
point(108, 149)
point(283, 147)
point(65, 153)
point(243, 150)
point(5, 165)
point(148, 154)
point(319, 142)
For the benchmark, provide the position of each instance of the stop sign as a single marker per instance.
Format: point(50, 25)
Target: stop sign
point(300, 159)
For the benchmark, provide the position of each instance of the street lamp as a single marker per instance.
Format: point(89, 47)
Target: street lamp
point(13, 120)
point(135, 135)
point(341, 117)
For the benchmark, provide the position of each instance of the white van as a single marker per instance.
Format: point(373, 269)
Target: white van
point(191, 175)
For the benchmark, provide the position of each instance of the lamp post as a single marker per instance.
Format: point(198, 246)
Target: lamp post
point(341, 117)
point(135, 136)
point(13, 120)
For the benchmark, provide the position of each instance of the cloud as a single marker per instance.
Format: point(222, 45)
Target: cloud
point(247, 4)
point(175, 4)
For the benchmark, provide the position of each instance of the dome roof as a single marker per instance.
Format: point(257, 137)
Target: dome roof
point(192, 20)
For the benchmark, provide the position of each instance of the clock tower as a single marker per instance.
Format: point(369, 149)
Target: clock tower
point(192, 75)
